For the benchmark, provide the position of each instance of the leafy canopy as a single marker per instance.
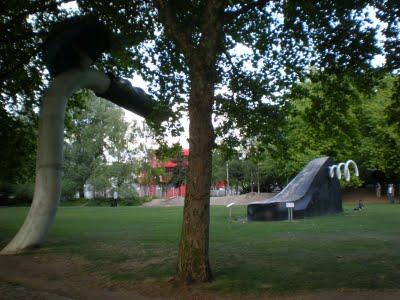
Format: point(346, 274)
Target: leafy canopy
point(282, 40)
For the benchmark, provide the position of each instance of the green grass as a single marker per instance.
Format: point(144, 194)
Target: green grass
point(350, 250)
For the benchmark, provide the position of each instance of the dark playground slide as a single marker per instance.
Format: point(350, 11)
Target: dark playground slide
point(313, 192)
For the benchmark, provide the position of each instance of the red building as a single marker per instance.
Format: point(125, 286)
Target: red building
point(160, 185)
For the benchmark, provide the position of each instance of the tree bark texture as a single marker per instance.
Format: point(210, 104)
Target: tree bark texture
point(50, 156)
point(193, 259)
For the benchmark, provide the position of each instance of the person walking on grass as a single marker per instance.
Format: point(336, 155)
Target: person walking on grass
point(378, 189)
point(390, 193)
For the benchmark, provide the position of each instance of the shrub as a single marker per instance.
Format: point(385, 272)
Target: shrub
point(16, 194)
point(132, 201)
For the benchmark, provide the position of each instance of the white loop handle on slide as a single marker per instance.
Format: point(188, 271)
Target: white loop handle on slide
point(332, 171)
point(339, 171)
point(336, 170)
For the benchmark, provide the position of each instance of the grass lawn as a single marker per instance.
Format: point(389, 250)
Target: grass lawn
point(355, 249)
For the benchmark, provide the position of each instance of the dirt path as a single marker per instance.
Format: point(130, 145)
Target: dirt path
point(224, 200)
point(352, 196)
point(365, 194)
point(10, 291)
point(55, 277)
point(51, 277)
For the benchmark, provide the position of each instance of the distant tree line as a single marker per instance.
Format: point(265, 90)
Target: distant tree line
point(101, 149)
point(324, 116)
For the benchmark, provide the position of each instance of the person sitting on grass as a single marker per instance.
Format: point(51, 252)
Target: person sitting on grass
point(360, 205)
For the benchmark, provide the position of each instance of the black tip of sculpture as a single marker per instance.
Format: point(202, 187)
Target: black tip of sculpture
point(70, 39)
point(134, 99)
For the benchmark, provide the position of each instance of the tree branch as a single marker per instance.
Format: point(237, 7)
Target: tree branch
point(211, 30)
point(181, 36)
point(228, 16)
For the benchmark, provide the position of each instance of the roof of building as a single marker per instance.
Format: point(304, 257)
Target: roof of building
point(169, 164)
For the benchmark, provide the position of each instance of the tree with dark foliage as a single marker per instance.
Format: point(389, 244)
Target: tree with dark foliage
point(189, 49)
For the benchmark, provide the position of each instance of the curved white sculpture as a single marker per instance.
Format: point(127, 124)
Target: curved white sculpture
point(50, 155)
point(337, 170)
point(69, 61)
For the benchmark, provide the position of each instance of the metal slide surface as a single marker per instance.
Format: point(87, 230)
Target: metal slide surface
point(301, 184)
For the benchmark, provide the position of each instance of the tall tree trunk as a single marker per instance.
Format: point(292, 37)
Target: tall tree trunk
point(258, 179)
point(251, 182)
point(81, 192)
point(193, 262)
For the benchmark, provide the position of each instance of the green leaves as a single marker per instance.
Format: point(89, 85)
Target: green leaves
point(18, 150)
point(100, 146)
point(285, 39)
point(284, 42)
point(331, 116)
